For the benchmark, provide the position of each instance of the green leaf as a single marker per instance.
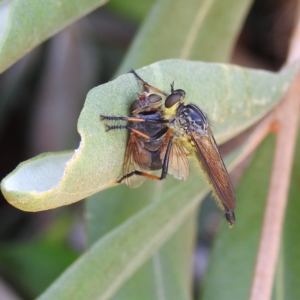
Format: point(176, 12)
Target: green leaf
point(233, 97)
point(168, 275)
point(171, 264)
point(114, 258)
point(131, 9)
point(24, 24)
point(34, 265)
point(203, 30)
point(233, 257)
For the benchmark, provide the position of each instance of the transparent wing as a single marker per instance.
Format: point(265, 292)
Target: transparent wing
point(208, 155)
point(178, 162)
point(136, 156)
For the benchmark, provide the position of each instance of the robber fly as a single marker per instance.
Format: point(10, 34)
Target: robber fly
point(163, 136)
point(149, 147)
point(190, 125)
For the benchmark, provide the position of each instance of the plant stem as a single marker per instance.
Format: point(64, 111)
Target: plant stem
point(277, 198)
point(287, 117)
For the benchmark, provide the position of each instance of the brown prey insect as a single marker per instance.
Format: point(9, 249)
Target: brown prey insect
point(149, 147)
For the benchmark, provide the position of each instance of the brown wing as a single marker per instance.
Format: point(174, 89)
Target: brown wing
point(207, 153)
point(136, 156)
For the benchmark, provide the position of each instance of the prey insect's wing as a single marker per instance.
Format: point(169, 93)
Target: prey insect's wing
point(136, 156)
point(207, 153)
point(178, 162)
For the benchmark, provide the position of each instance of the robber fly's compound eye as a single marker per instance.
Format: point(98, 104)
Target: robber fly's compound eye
point(153, 98)
point(174, 98)
point(134, 106)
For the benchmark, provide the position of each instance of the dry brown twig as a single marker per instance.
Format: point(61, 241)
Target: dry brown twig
point(286, 115)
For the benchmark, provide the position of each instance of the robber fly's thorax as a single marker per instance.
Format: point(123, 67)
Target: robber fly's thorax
point(191, 118)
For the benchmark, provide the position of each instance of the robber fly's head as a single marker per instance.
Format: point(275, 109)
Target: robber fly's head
point(175, 98)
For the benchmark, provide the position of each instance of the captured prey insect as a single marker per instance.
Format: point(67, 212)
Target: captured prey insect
point(162, 136)
point(149, 147)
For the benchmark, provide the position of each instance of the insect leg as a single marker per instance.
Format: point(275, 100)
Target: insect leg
point(113, 127)
point(113, 118)
point(131, 119)
point(121, 118)
point(146, 85)
point(166, 160)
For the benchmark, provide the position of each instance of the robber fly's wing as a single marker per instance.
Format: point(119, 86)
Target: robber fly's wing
point(208, 155)
point(178, 162)
point(136, 156)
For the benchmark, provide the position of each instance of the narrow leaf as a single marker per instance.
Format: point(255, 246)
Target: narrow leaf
point(24, 24)
point(196, 29)
point(233, 97)
point(114, 258)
